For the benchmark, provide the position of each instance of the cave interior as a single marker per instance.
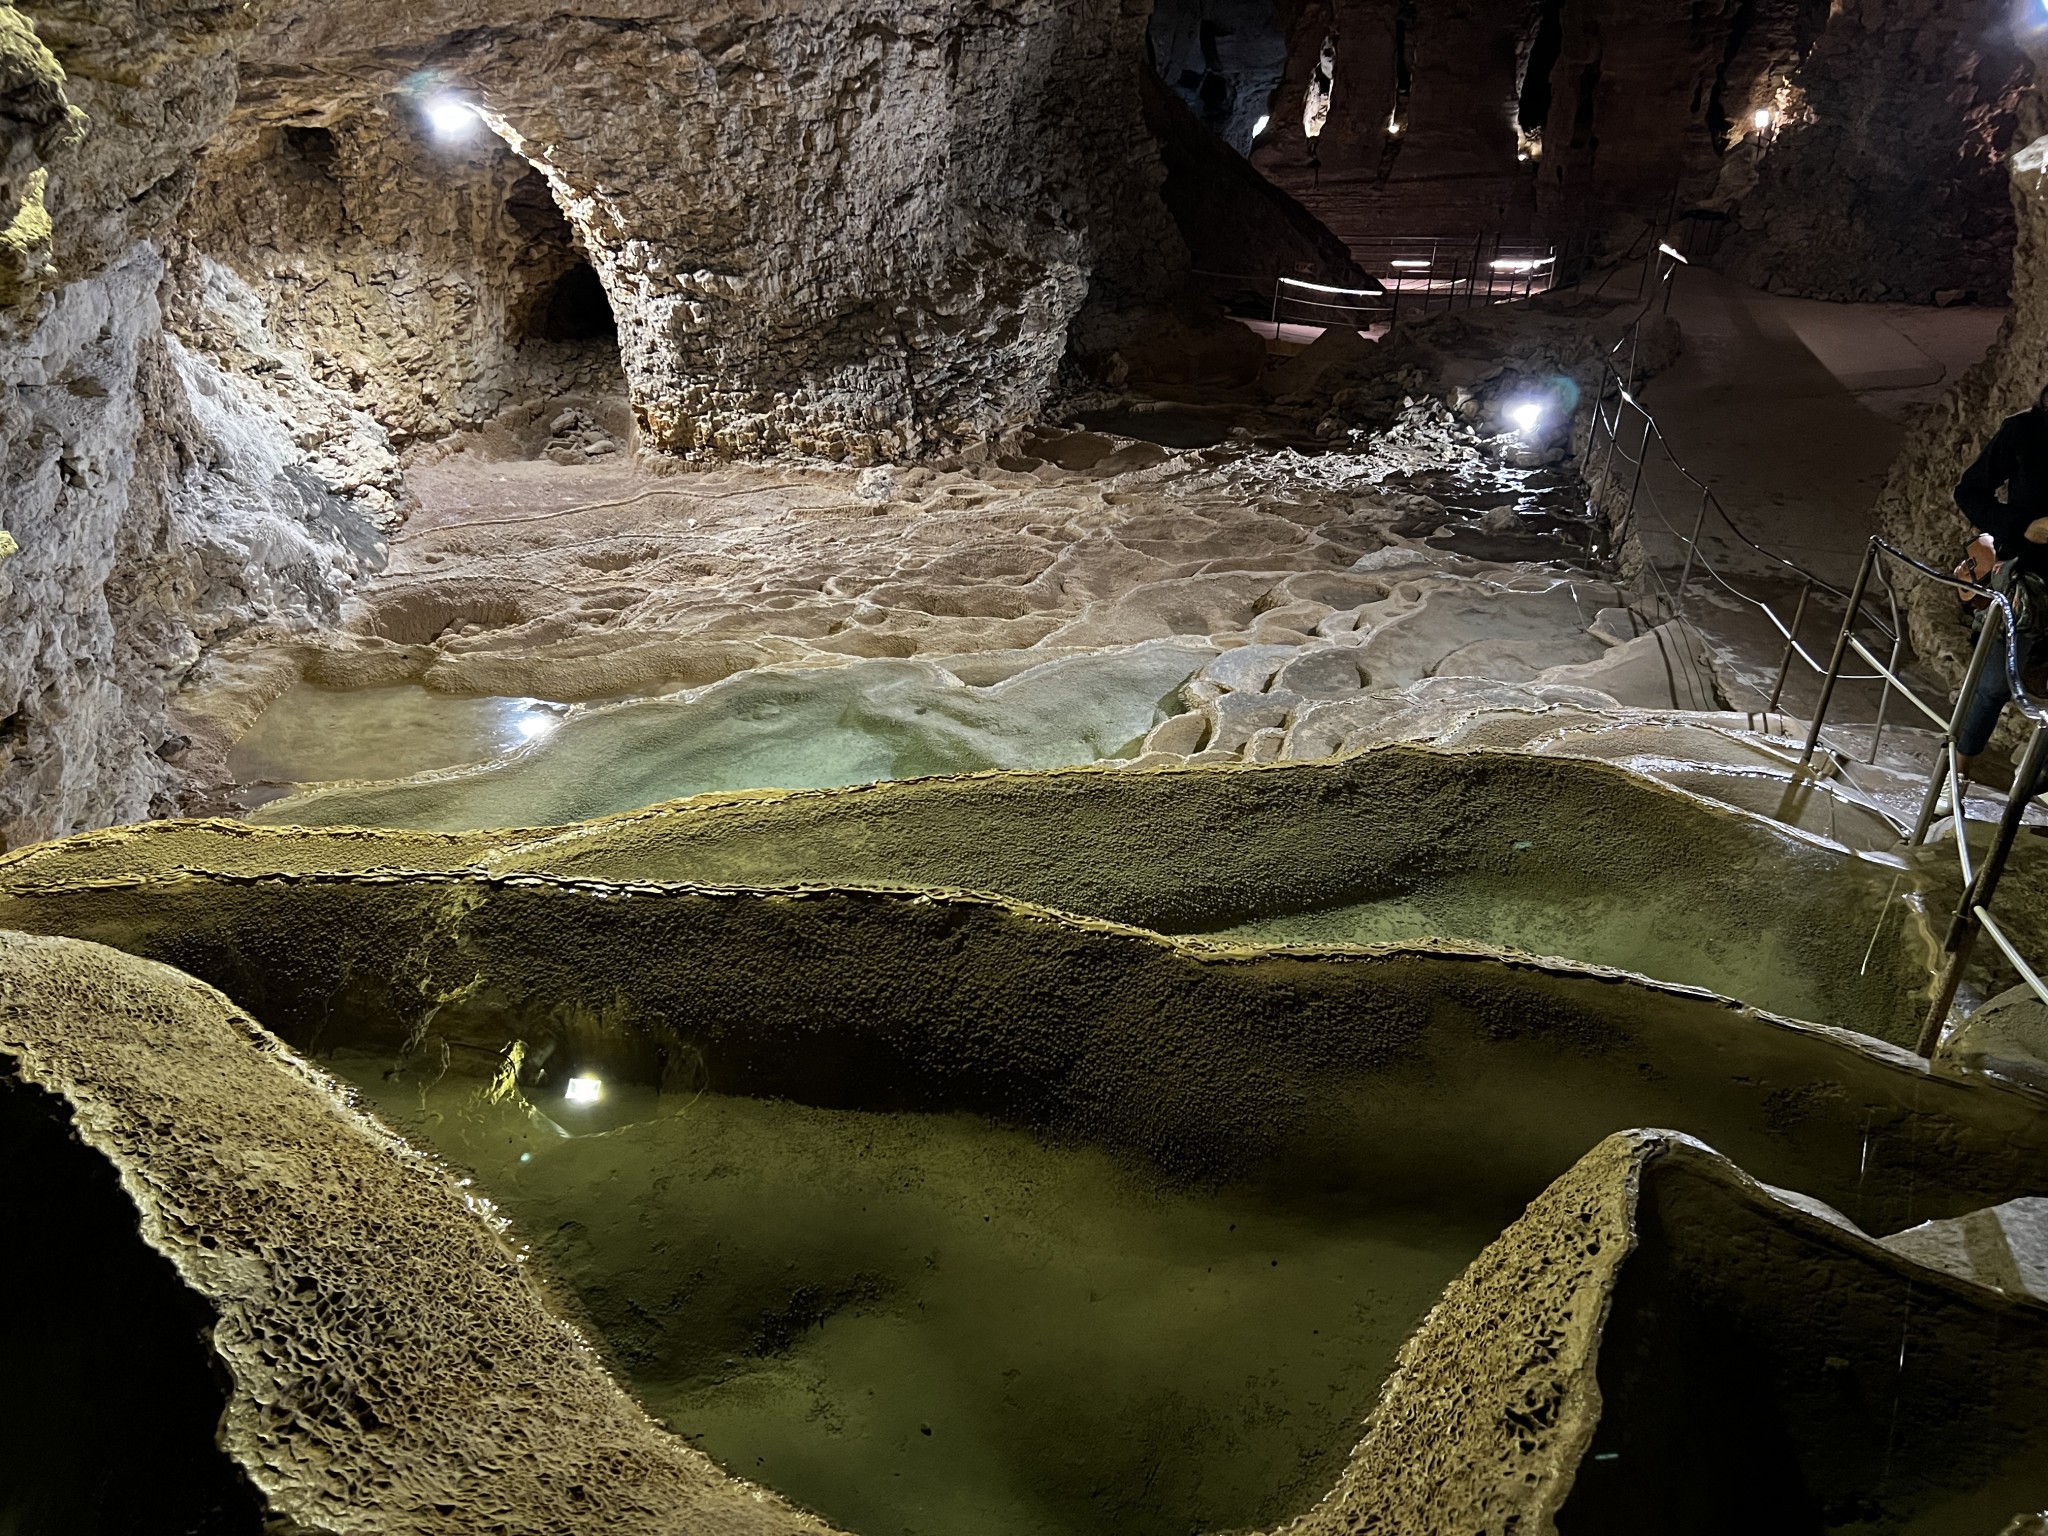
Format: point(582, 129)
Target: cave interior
point(1036, 768)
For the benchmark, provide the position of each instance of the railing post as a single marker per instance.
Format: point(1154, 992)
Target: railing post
point(1963, 930)
point(1276, 309)
point(1642, 459)
point(1884, 697)
point(1891, 667)
point(1692, 547)
point(1827, 687)
point(1614, 436)
point(1987, 637)
point(1791, 644)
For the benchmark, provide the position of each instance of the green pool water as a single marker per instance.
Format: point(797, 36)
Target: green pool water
point(805, 728)
point(928, 1323)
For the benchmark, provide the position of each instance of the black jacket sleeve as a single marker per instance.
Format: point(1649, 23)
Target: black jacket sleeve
point(1977, 491)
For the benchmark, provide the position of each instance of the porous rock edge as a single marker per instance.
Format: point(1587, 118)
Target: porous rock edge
point(421, 1311)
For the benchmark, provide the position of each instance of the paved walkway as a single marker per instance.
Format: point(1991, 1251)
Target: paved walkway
point(1792, 410)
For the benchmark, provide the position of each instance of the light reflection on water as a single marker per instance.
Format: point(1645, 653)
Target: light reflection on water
point(313, 734)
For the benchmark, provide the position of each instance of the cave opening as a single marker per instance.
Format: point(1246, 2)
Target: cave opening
point(564, 299)
point(574, 308)
point(1534, 108)
point(313, 147)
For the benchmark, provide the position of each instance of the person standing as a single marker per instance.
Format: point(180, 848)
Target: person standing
point(2011, 551)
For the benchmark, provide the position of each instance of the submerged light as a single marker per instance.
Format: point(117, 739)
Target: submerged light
point(536, 725)
point(582, 1090)
point(450, 117)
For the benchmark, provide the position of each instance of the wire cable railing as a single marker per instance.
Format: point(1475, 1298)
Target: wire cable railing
point(1998, 643)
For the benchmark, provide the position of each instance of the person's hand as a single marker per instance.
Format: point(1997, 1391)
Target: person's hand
point(2037, 531)
point(1980, 560)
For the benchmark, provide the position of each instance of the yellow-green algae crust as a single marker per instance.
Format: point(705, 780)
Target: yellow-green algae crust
point(1199, 1058)
point(1624, 871)
point(393, 1368)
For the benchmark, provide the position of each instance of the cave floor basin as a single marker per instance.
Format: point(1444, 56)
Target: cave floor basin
point(449, 762)
point(930, 1322)
point(764, 1123)
point(907, 1315)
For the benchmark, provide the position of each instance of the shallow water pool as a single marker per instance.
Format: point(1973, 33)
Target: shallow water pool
point(780, 728)
point(929, 1323)
point(312, 733)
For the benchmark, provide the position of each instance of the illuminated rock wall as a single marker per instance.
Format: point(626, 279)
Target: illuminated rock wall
point(156, 503)
point(855, 230)
point(1884, 177)
point(1917, 508)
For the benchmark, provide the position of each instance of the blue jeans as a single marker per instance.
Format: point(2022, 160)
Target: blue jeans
point(1981, 718)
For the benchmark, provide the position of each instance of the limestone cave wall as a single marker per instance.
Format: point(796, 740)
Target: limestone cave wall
point(432, 283)
point(1917, 508)
point(155, 503)
point(1883, 176)
point(861, 231)
point(1878, 175)
point(1525, 116)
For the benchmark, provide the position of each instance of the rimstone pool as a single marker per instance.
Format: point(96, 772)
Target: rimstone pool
point(931, 1322)
point(931, 1209)
point(520, 762)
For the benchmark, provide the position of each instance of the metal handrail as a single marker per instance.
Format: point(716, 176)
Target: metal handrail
point(2031, 707)
point(1972, 915)
point(2000, 631)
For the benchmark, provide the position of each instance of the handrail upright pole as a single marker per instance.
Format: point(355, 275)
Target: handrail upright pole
point(1791, 644)
point(1965, 926)
point(1621, 400)
point(1884, 694)
point(1987, 637)
point(1692, 547)
point(1593, 432)
point(1636, 485)
point(1827, 687)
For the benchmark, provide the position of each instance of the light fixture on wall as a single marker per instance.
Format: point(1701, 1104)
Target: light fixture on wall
point(1394, 123)
point(1260, 126)
point(450, 117)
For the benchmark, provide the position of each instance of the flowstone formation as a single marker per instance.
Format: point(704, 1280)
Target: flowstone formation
point(884, 878)
point(1546, 854)
point(1471, 1080)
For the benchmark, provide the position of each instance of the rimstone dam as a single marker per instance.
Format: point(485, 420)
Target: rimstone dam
point(1024, 767)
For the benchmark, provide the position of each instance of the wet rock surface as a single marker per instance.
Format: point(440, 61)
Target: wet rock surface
point(1502, 1374)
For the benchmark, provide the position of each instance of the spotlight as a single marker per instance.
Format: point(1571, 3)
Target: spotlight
point(1394, 123)
point(1525, 415)
point(1762, 119)
point(450, 117)
point(536, 725)
point(582, 1090)
point(1260, 126)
